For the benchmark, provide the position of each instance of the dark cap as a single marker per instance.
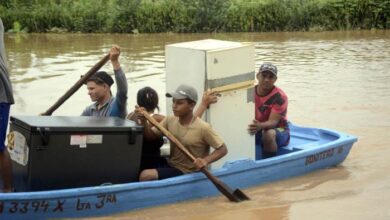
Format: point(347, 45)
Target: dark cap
point(103, 77)
point(268, 67)
point(184, 92)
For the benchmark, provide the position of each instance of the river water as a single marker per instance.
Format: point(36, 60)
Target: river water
point(337, 80)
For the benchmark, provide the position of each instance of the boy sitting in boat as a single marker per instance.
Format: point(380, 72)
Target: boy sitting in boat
point(270, 125)
point(193, 132)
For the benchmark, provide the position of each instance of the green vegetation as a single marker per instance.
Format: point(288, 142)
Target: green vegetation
point(151, 16)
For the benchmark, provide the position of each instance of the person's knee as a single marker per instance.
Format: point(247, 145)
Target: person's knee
point(148, 175)
point(269, 135)
point(269, 141)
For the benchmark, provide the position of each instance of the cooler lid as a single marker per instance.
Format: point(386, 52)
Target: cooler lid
point(75, 123)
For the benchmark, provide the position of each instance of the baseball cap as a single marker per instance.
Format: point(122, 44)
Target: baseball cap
point(268, 67)
point(102, 76)
point(184, 92)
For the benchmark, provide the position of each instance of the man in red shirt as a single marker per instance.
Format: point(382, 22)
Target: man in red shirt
point(270, 125)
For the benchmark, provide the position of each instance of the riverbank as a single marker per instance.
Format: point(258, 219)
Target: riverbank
point(192, 16)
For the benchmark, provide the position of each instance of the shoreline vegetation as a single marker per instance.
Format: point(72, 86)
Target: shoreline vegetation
point(192, 16)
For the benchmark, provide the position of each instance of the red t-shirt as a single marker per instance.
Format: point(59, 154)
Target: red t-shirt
point(276, 101)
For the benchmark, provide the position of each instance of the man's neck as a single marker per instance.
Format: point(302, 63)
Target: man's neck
point(264, 92)
point(103, 101)
point(186, 119)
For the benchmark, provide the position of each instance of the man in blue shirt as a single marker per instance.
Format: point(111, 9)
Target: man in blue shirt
point(99, 89)
point(6, 99)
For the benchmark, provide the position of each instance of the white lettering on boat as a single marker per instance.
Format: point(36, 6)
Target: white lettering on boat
point(57, 205)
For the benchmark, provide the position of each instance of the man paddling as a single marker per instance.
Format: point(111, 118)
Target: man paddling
point(6, 100)
point(99, 90)
point(270, 125)
point(193, 132)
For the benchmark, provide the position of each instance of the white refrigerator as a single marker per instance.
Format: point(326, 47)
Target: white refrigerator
point(225, 66)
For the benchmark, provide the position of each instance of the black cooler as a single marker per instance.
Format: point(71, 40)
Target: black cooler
point(57, 152)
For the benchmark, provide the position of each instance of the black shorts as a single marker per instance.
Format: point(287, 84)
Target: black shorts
point(165, 171)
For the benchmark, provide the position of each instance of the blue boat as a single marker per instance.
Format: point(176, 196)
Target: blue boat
point(310, 149)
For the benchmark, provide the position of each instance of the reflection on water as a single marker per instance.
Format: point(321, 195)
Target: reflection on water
point(337, 80)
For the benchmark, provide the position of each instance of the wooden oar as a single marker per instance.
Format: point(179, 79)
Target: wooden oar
point(234, 86)
point(233, 195)
point(77, 85)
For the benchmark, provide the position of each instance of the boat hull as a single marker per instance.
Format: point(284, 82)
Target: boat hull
point(310, 150)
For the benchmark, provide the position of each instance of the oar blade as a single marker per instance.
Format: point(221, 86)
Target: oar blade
point(235, 196)
point(228, 193)
point(241, 195)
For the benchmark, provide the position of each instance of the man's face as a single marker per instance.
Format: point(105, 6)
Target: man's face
point(266, 80)
point(181, 107)
point(96, 91)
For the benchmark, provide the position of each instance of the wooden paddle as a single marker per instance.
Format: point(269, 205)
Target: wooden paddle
point(234, 86)
point(77, 85)
point(233, 195)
